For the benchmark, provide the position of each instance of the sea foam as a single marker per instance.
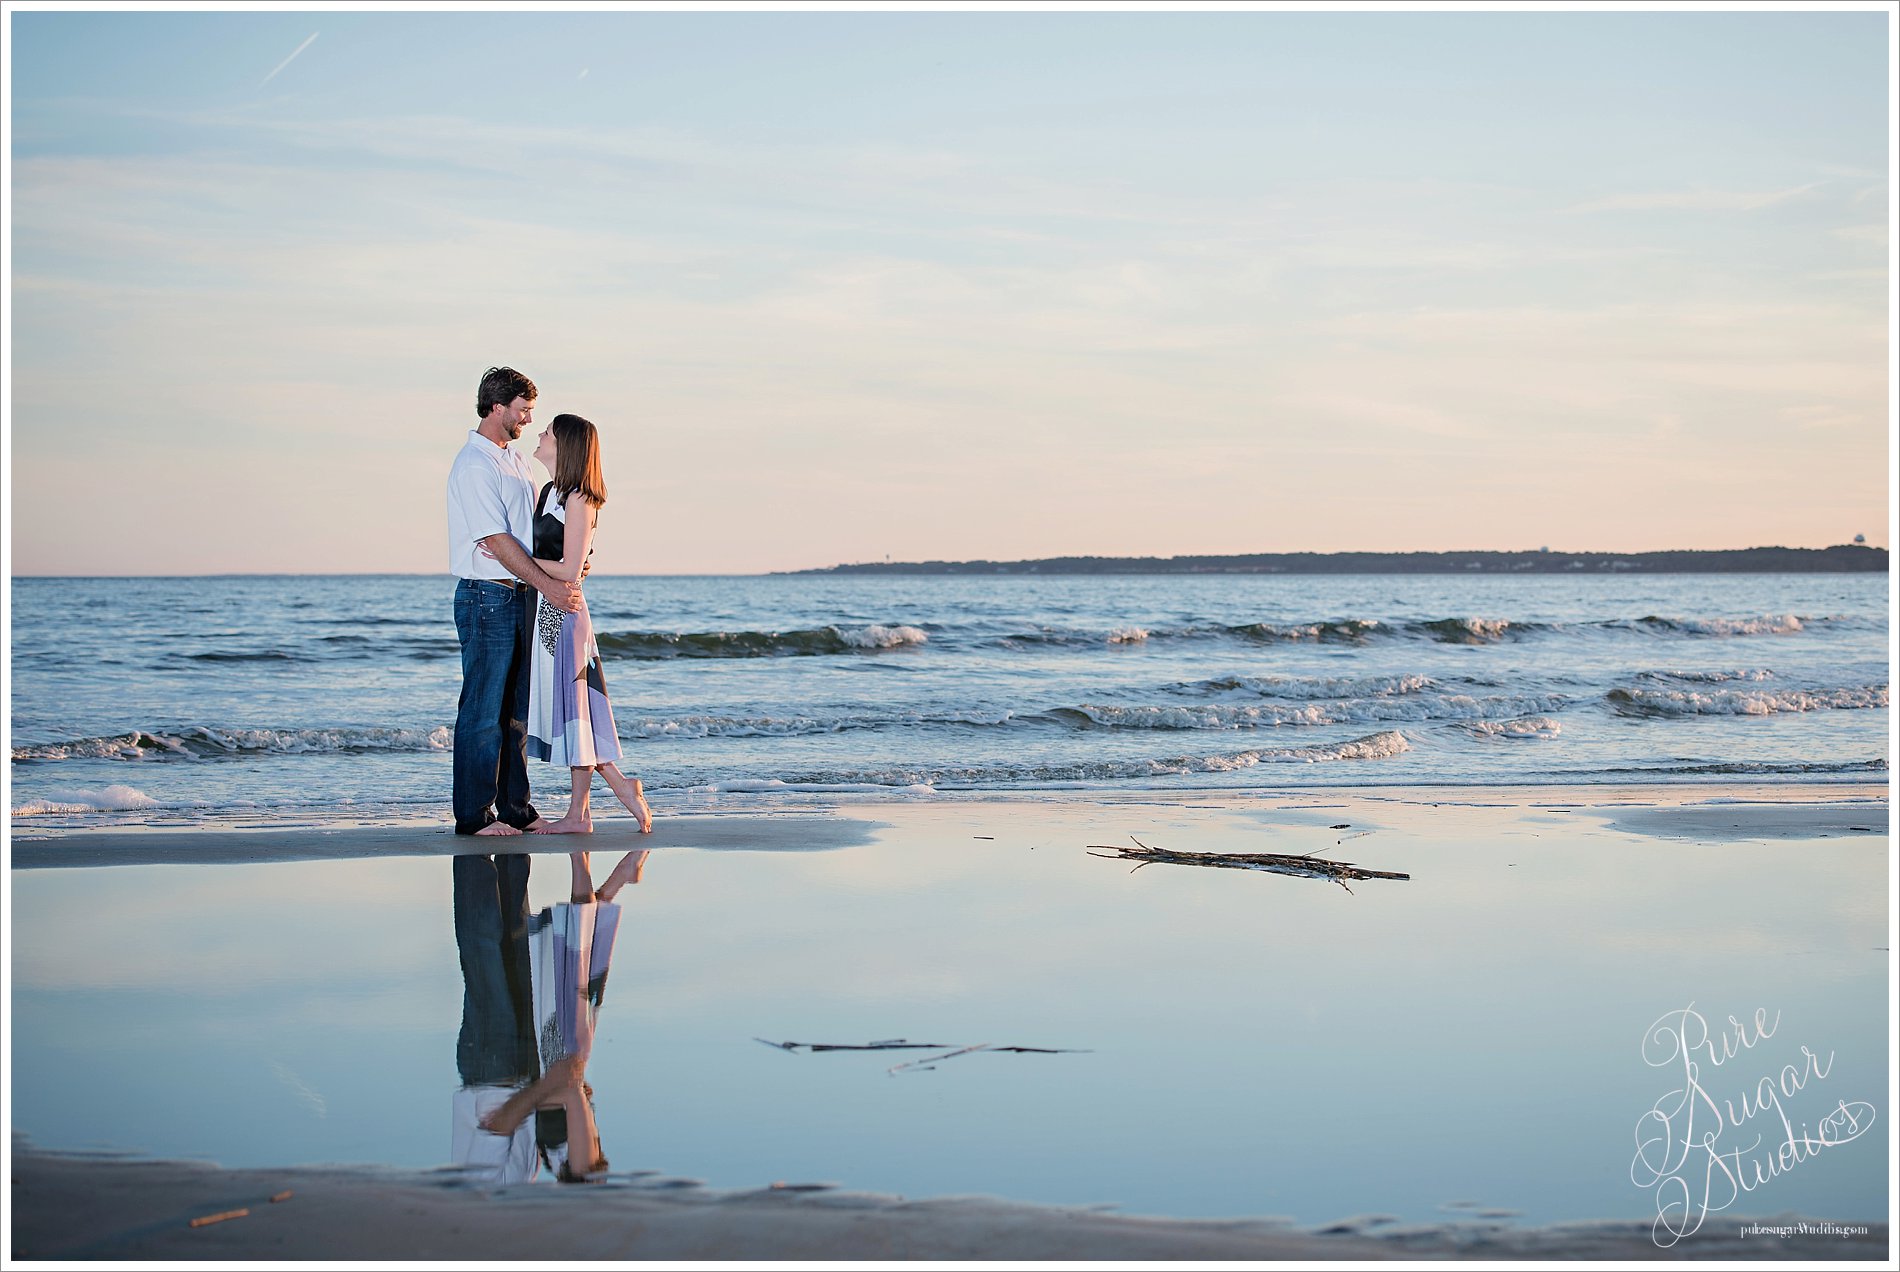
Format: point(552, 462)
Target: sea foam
point(106, 799)
point(1749, 702)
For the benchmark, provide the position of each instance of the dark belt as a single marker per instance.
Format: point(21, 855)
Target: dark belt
point(513, 585)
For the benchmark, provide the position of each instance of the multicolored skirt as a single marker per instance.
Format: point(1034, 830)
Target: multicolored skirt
point(570, 720)
point(569, 948)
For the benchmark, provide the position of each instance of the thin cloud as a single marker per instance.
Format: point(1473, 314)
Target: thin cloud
point(287, 61)
point(1696, 200)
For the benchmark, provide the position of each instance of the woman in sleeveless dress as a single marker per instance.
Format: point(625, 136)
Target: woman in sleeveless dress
point(570, 720)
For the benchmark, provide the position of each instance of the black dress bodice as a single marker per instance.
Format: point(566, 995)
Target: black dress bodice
point(550, 532)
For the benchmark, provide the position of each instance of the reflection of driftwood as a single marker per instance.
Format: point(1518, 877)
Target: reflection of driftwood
point(1306, 866)
point(925, 1064)
point(889, 1044)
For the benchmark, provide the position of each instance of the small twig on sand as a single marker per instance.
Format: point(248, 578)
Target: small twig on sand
point(205, 1221)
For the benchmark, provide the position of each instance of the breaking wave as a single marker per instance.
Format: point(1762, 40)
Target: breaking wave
point(1676, 703)
point(1756, 768)
point(758, 644)
point(1308, 688)
point(108, 799)
point(709, 726)
point(1410, 708)
point(1763, 625)
point(1541, 727)
point(199, 743)
point(1705, 677)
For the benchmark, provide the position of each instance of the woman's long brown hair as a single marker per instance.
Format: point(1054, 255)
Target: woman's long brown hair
point(577, 459)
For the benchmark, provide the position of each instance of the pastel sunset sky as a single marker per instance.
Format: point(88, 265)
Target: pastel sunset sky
point(838, 286)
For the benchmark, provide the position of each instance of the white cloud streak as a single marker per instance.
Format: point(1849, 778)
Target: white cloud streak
point(287, 61)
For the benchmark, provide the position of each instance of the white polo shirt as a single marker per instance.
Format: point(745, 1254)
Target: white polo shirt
point(493, 1158)
point(490, 490)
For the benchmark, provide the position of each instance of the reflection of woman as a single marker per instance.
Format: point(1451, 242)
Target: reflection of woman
point(570, 720)
point(569, 947)
point(562, 1088)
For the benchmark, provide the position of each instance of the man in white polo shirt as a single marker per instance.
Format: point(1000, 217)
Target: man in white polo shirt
point(491, 533)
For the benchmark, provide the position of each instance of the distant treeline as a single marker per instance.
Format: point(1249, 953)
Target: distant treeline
point(1843, 558)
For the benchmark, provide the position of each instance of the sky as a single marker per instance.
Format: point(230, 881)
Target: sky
point(843, 286)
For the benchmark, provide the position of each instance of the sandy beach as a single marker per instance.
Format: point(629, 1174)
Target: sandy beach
point(989, 920)
point(68, 1207)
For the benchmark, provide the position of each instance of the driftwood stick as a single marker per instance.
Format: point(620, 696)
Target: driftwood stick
point(930, 1062)
point(1304, 865)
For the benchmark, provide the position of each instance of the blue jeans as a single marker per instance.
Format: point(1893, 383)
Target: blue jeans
point(495, 623)
point(496, 1046)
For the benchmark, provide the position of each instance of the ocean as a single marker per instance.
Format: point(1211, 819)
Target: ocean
point(300, 700)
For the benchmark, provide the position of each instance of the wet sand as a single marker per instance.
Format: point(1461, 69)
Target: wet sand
point(109, 1207)
point(785, 832)
point(73, 1207)
point(1704, 815)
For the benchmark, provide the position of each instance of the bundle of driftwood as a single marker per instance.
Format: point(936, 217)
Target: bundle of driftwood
point(1305, 865)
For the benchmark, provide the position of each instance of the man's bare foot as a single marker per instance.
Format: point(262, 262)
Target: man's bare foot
point(582, 826)
point(498, 828)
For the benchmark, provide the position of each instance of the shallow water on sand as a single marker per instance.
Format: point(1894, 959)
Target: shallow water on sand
point(1248, 1044)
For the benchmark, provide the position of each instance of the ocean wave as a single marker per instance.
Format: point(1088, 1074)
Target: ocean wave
point(1095, 637)
point(106, 799)
point(1760, 625)
point(760, 644)
point(1347, 629)
point(1373, 746)
point(1415, 709)
point(1309, 688)
point(709, 726)
point(244, 655)
point(1541, 727)
point(1678, 703)
point(1706, 677)
point(201, 742)
point(1452, 630)
point(773, 785)
point(1755, 768)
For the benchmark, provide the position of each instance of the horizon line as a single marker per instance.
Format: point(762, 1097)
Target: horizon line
point(845, 565)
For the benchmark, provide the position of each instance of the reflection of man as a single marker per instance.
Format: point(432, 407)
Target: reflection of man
point(495, 1053)
point(491, 522)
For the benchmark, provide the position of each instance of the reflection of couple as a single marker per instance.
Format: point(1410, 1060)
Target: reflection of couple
point(531, 677)
point(532, 990)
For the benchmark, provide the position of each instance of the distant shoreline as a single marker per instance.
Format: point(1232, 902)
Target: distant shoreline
point(1840, 559)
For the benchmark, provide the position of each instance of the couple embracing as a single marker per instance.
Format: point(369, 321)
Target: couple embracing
point(531, 677)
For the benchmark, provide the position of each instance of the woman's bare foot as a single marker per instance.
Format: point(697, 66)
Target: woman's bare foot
point(630, 793)
point(628, 871)
point(498, 828)
point(567, 826)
